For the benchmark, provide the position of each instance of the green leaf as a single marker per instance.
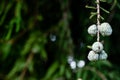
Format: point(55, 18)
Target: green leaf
point(36, 48)
point(31, 66)
point(118, 5)
point(2, 6)
point(18, 22)
point(8, 6)
point(102, 17)
point(91, 16)
point(68, 74)
point(109, 1)
point(90, 47)
point(90, 7)
point(51, 70)
point(31, 78)
point(104, 10)
point(19, 65)
point(93, 13)
point(103, 0)
point(106, 63)
point(6, 48)
point(10, 29)
point(85, 74)
point(62, 69)
point(114, 5)
point(28, 45)
point(79, 73)
point(39, 17)
point(43, 54)
point(18, 15)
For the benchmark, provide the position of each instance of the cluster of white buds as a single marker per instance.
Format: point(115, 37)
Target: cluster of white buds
point(98, 29)
point(93, 56)
point(105, 29)
point(97, 52)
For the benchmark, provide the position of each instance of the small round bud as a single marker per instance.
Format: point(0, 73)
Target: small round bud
point(105, 29)
point(103, 55)
point(97, 46)
point(92, 56)
point(73, 65)
point(35, 48)
point(92, 30)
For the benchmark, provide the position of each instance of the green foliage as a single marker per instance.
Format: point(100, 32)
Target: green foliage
point(51, 70)
point(37, 36)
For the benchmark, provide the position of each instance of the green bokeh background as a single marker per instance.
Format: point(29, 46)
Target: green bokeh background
point(38, 36)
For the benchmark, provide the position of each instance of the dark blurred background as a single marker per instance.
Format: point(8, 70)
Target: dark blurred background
point(47, 40)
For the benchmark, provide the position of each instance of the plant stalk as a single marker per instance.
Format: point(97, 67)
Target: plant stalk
point(98, 19)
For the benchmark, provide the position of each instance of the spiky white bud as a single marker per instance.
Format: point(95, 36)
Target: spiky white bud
point(105, 29)
point(103, 55)
point(92, 56)
point(92, 30)
point(97, 46)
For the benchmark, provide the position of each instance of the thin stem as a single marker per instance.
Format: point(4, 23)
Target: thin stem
point(29, 59)
point(98, 19)
point(100, 74)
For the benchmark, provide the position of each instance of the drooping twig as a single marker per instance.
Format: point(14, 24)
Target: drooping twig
point(98, 19)
point(29, 59)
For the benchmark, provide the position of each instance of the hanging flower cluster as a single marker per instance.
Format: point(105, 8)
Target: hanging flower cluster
point(97, 52)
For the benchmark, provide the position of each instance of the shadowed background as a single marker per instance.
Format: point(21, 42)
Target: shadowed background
point(47, 40)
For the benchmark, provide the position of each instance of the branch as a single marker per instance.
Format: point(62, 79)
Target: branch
point(98, 19)
point(30, 57)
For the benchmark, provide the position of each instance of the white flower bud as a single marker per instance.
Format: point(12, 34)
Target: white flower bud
point(92, 30)
point(103, 55)
point(105, 29)
point(73, 65)
point(97, 46)
point(92, 56)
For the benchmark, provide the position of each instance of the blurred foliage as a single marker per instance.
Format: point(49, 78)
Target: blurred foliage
point(37, 37)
